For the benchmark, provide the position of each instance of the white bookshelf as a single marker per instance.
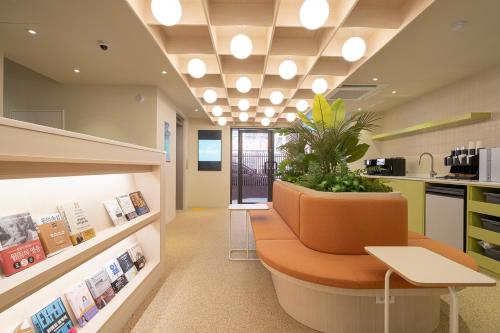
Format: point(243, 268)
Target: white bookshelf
point(41, 167)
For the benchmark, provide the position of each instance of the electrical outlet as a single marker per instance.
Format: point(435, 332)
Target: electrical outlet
point(380, 299)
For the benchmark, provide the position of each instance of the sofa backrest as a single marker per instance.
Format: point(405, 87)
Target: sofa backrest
point(346, 223)
point(286, 201)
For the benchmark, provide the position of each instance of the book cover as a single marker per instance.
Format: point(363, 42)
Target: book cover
point(139, 203)
point(20, 247)
point(81, 303)
point(100, 288)
point(127, 266)
point(53, 233)
point(116, 275)
point(23, 327)
point(115, 212)
point(77, 223)
point(127, 206)
point(53, 319)
point(137, 256)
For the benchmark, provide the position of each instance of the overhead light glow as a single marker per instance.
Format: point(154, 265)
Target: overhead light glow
point(319, 86)
point(217, 111)
point(394, 91)
point(375, 79)
point(314, 13)
point(269, 112)
point(241, 46)
point(302, 105)
point(210, 96)
point(222, 121)
point(31, 31)
point(243, 116)
point(243, 104)
point(164, 72)
point(265, 122)
point(167, 12)
point(76, 70)
point(243, 84)
point(276, 97)
point(353, 49)
point(197, 68)
point(290, 117)
point(288, 69)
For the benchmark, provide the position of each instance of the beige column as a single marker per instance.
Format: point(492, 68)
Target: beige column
point(1, 83)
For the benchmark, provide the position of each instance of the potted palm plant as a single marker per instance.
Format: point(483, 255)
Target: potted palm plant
point(319, 149)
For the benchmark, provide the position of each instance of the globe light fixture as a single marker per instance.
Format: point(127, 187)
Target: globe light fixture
point(243, 84)
point(353, 49)
point(197, 68)
point(302, 105)
point(290, 117)
point(288, 69)
point(269, 112)
point(221, 121)
point(167, 12)
point(276, 97)
point(241, 46)
point(210, 96)
point(314, 13)
point(243, 116)
point(319, 86)
point(243, 104)
point(265, 121)
point(217, 111)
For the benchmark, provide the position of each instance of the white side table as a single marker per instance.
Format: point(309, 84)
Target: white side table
point(425, 268)
point(246, 208)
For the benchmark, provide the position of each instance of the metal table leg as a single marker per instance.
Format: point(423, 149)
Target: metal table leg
point(386, 300)
point(453, 310)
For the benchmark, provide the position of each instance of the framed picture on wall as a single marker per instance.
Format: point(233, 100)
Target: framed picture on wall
point(209, 150)
point(166, 140)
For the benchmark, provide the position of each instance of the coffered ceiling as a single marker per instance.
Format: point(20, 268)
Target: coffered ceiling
point(207, 27)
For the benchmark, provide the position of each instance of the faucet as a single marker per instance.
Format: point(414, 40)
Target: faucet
point(432, 173)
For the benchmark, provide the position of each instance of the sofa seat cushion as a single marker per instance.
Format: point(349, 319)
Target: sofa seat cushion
point(293, 258)
point(416, 235)
point(268, 224)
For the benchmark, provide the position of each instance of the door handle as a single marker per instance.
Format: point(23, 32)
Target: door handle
point(266, 167)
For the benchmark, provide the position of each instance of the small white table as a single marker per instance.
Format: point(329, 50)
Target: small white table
point(425, 268)
point(246, 208)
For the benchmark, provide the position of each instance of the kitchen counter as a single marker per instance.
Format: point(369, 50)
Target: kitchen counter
point(439, 180)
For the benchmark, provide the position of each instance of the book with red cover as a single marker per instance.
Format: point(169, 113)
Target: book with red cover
point(20, 247)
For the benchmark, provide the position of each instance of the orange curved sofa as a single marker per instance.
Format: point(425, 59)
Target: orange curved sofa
point(320, 237)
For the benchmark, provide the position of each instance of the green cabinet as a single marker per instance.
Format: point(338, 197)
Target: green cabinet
point(414, 192)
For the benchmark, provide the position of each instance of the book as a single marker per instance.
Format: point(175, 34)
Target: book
point(115, 212)
point(127, 206)
point(78, 225)
point(139, 203)
point(116, 275)
point(53, 233)
point(127, 266)
point(81, 303)
point(20, 246)
point(137, 256)
point(100, 288)
point(53, 319)
point(23, 327)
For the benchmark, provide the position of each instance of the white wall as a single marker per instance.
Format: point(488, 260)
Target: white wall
point(207, 188)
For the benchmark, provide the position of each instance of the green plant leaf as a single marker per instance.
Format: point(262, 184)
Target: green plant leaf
point(358, 152)
point(321, 111)
point(338, 111)
point(304, 119)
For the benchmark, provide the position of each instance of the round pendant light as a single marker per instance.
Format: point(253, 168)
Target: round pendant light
point(210, 96)
point(353, 49)
point(197, 68)
point(241, 46)
point(269, 112)
point(217, 111)
point(290, 117)
point(314, 13)
point(302, 105)
point(276, 97)
point(319, 86)
point(243, 116)
point(288, 69)
point(243, 84)
point(243, 104)
point(167, 12)
point(221, 121)
point(265, 121)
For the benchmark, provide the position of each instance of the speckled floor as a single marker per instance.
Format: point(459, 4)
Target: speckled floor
point(204, 292)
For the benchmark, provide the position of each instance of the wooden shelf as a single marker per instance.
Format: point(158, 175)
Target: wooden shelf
point(484, 208)
point(434, 125)
point(18, 286)
point(484, 234)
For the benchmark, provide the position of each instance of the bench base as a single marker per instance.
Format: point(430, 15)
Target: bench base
point(337, 310)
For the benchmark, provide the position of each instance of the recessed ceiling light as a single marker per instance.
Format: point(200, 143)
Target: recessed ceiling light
point(31, 31)
point(319, 86)
point(76, 70)
point(375, 79)
point(276, 97)
point(359, 109)
point(196, 110)
point(265, 121)
point(457, 25)
point(290, 117)
point(241, 46)
point(164, 72)
point(353, 49)
point(394, 91)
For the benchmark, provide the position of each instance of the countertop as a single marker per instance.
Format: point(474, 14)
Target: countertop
point(427, 179)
